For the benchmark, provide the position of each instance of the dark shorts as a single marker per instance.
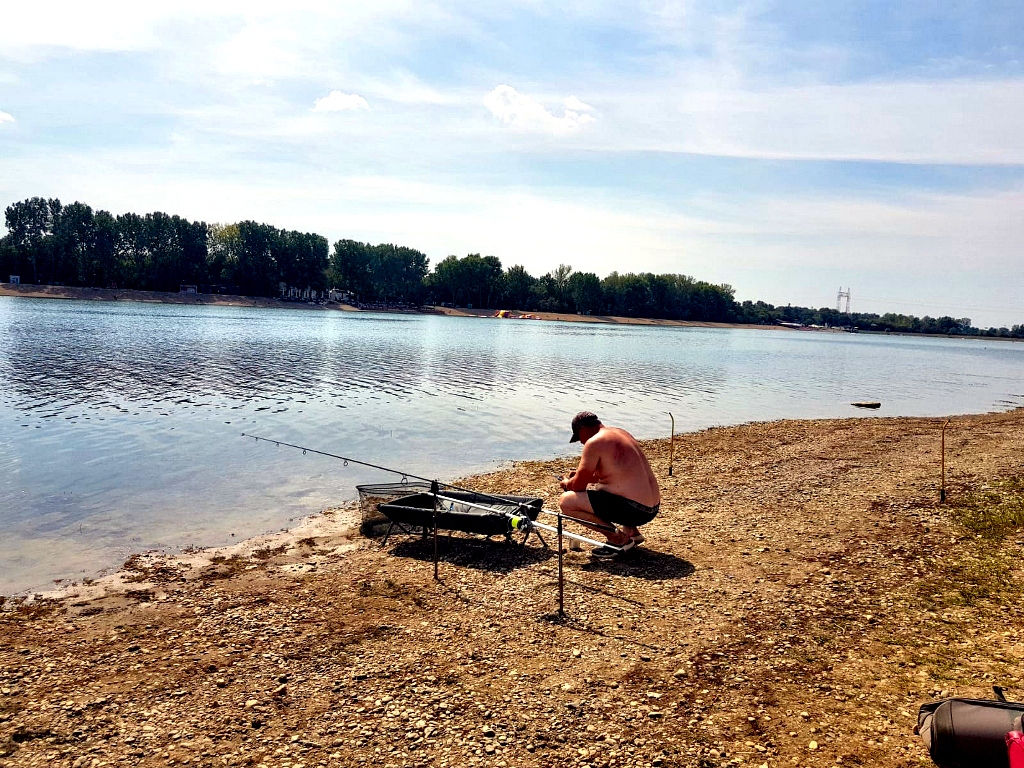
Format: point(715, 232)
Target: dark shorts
point(619, 510)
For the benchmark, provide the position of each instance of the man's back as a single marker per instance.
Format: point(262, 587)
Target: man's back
point(622, 467)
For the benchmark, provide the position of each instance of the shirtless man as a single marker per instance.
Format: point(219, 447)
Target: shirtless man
point(625, 490)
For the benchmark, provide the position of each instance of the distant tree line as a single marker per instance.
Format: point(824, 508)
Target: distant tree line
point(54, 244)
point(51, 243)
point(761, 313)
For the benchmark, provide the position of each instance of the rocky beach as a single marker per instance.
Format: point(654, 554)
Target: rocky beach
point(798, 597)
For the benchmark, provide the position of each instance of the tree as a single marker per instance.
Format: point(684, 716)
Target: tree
point(255, 271)
point(481, 276)
point(516, 285)
point(447, 279)
point(223, 246)
point(584, 289)
point(30, 224)
point(100, 265)
point(302, 260)
point(397, 272)
point(72, 243)
point(132, 251)
point(349, 268)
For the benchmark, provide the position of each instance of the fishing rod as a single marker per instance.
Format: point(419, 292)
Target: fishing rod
point(518, 522)
point(408, 475)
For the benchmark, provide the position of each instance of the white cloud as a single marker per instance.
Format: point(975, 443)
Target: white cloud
point(6, 117)
point(336, 101)
point(575, 105)
point(526, 114)
point(958, 122)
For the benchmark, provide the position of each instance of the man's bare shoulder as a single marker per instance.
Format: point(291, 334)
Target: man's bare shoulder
point(615, 435)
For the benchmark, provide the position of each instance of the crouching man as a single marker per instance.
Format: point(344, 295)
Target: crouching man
point(625, 492)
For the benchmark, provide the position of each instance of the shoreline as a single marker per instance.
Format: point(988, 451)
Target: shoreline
point(225, 300)
point(800, 594)
point(207, 299)
point(340, 523)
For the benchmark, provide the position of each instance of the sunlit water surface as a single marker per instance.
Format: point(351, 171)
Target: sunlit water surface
point(120, 423)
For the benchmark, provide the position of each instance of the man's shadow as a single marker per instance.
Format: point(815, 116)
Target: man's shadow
point(643, 563)
point(496, 555)
point(501, 556)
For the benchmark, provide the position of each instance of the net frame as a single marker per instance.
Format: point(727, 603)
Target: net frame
point(372, 522)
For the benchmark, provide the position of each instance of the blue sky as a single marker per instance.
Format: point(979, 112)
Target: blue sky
point(783, 148)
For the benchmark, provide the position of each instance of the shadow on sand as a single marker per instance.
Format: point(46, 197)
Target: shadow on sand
point(643, 563)
point(496, 556)
point(500, 556)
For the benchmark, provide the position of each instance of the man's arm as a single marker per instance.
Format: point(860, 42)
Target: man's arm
point(586, 472)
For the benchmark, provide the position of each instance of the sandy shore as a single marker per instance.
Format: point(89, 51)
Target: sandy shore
point(801, 593)
point(568, 317)
point(150, 297)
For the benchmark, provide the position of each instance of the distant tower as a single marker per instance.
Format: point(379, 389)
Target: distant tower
point(839, 300)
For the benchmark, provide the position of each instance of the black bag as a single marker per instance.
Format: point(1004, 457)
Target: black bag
point(969, 733)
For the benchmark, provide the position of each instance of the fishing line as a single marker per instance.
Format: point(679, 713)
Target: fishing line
point(408, 475)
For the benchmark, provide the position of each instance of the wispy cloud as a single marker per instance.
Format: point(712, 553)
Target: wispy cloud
point(336, 101)
point(521, 112)
point(958, 122)
point(772, 145)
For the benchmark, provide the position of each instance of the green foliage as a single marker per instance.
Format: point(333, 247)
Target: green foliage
point(51, 243)
point(516, 285)
point(385, 273)
point(992, 512)
point(762, 313)
point(982, 567)
point(48, 242)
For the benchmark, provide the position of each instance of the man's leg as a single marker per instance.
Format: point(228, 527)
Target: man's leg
point(576, 504)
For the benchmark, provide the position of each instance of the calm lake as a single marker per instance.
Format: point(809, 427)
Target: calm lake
point(120, 423)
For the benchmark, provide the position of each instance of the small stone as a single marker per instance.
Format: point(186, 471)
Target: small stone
point(813, 745)
point(251, 703)
point(488, 732)
point(654, 715)
point(421, 724)
point(680, 673)
point(644, 657)
point(489, 749)
point(281, 690)
point(576, 653)
point(805, 715)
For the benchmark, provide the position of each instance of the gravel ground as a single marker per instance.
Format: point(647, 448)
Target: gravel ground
point(801, 593)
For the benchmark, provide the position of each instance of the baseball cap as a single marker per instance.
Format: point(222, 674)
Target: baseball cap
point(582, 419)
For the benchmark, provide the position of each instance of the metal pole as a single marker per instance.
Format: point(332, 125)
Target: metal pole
point(671, 443)
point(434, 489)
point(561, 581)
point(942, 488)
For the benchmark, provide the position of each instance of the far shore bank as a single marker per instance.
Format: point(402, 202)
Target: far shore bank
point(208, 299)
point(801, 593)
point(224, 300)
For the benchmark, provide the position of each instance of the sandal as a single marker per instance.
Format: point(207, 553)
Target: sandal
point(612, 550)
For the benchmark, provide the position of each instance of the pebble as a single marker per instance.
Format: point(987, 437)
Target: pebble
point(813, 745)
point(252, 703)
